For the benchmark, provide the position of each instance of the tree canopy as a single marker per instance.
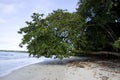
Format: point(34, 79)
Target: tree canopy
point(93, 27)
point(53, 35)
point(101, 18)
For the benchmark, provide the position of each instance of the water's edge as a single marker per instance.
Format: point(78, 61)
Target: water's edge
point(10, 61)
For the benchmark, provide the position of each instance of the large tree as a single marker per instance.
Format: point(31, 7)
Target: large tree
point(54, 35)
point(101, 24)
point(94, 27)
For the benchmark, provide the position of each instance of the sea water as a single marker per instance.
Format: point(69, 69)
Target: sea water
point(10, 61)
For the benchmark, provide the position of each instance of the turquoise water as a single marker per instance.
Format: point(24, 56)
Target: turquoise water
point(10, 61)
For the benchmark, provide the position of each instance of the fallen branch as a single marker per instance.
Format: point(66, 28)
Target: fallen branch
point(103, 52)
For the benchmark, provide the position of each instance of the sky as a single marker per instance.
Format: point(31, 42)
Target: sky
point(14, 13)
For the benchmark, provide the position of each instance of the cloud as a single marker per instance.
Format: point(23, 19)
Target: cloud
point(2, 20)
point(47, 6)
point(7, 8)
point(10, 42)
point(41, 6)
point(13, 14)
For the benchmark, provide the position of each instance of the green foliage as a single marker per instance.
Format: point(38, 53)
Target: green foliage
point(100, 28)
point(117, 44)
point(53, 35)
point(91, 28)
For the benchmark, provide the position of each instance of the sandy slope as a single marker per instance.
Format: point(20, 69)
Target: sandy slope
point(72, 70)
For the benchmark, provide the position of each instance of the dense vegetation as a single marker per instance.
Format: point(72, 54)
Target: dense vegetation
point(94, 27)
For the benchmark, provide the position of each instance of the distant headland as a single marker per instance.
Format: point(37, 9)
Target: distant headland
point(13, 51)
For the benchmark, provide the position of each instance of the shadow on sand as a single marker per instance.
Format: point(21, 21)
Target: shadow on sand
point(81, 62)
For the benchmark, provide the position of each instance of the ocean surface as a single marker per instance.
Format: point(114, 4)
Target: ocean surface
point(10, 61)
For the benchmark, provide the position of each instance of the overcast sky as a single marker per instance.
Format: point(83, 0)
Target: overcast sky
point(14, 13)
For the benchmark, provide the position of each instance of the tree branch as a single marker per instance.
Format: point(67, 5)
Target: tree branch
point(104, 52)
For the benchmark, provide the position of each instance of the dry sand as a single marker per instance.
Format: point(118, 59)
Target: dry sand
point(68, 70)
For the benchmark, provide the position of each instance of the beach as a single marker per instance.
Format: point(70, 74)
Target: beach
point(68, 70)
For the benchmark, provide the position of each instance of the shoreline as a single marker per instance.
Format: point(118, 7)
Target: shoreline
point(13, 65)
point(69, 70)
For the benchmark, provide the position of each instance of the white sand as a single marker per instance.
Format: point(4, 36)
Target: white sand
point(70, 71)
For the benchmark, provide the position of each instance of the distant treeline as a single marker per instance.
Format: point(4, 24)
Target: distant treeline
point(13, 51)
